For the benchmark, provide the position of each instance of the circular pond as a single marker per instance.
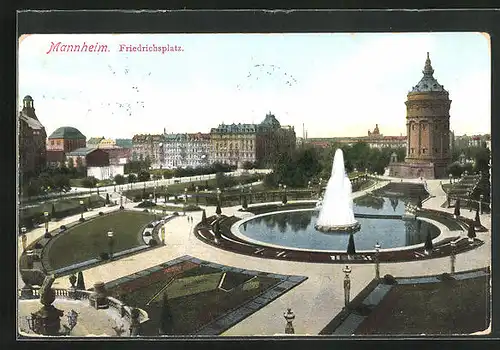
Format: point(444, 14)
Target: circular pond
point(295, 229)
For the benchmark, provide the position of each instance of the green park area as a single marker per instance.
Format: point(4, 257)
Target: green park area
point(89, 239)
point(57, 209)
point(448, 307)
point(181, 303)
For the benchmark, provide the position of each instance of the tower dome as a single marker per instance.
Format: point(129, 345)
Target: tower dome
point(428, 83)
point(28, 101)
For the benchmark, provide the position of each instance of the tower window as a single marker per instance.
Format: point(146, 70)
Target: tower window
point(412, 150)
point(423, 126)
point(435, 150)
point(413, 127)
point(423, 150)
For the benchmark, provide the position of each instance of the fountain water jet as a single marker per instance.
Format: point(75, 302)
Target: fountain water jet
point(336, 211)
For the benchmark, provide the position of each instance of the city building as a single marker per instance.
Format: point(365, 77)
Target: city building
point(93, 142)
point(186, 150)
point(466, 141)
point(117, 155)
point(88, 157)
point(236, 144)
point(62, 141)
point(106, 172)
point(147, 146)
point(374, 139)
point(428, 130)
point(124, 143)
point(32, 135)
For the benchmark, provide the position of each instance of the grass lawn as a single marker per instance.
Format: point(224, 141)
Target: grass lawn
point(194, 298)
point(448, 222)
point(60, 205)
point(87, 240)
point(451, 307)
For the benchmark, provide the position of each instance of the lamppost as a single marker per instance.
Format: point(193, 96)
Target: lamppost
point(97, 185)
point(289, 317)
point(154, 191)
point(481, 198)
point(23, 237)
point(114, 186)
point(347, 284)
point(284, 193)
point(451, 178)
point(197, 194)
point(469, 194)
point(121, 201)
point(308, 184)
point(250, 190)
point(110, 244)
point(377, 260)
point(241, 194)
point(81, 216)
point(46, 215)
point(452, 256)
point(185, 199)
point(218, 195)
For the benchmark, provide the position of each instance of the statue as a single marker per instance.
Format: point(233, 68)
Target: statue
point(47, 320)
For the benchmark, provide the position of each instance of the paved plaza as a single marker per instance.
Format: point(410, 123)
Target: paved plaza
point(315, 301)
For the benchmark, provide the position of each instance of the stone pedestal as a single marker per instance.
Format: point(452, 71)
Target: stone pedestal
point(48, 320)
point(99, 298)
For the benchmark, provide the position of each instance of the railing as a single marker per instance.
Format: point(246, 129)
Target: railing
point(61, 293)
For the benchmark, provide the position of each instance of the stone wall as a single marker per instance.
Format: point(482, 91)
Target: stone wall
point(412, 170)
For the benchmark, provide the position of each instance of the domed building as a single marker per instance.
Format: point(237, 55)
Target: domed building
point(428, 129)
point(63, 140)
point(32, 135)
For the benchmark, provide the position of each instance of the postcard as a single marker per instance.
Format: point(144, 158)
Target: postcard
point(274, 184)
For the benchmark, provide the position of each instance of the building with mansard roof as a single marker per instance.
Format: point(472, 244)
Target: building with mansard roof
point(235, 144)
point(186, 150)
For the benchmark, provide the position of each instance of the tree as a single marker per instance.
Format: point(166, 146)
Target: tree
point(131, 178)
point(80, 284)
point(247, 165)
point(143, 176)
point(428, 246)
point(471, 233)
point(285, 199)
point(455, 169)
point(245, 203)
point(477, 220)
point(203, 217)
point(119, 179)
point(60, 183)
point(218, 210)
point(80, 168)
point(166, 317)
point(351, 249)
point(457, 208)
point(89, 182)
point(53, 213)
point(107, 198)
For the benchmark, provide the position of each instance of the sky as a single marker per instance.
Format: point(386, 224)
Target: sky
point(333, 84)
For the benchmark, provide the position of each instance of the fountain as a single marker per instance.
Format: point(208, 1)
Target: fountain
point(336, 209)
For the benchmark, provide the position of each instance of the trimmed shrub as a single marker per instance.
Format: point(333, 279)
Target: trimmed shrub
point(101, 213)
point(175, 213)
point(191, 207)
point(153, 242)
point(81, 219)
point(150, 225)
point(146, 211)
point(63, 228)
point(146, 204)
point(446, 277)
point(389, 279)
point(104, 256)
point(147, 234)
point(38, 245)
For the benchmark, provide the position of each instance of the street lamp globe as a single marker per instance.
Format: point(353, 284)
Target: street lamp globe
point(81, 202)
point(110, 234)
point(46, 214)
point(23, 230)
point(347, 270)
point(377, 247)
